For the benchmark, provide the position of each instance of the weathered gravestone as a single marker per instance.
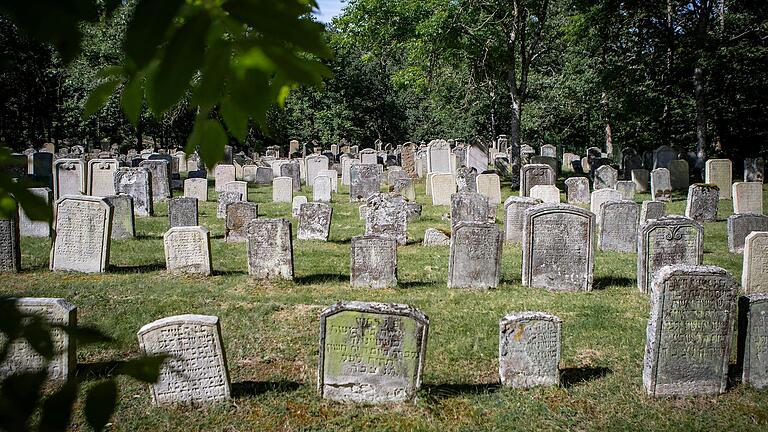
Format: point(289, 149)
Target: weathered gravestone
point(663, 156)
point(548, 150)
point(10, 246)
point(226, 198)
point(617, 226)
point(439, 157)
point(747, 197)
point(529, 349)
point(182, 211)
point(408, 159)
point(558, 247)
point(605, 177)
point(532, 175)
point(577, 190)
point(270, 250)
point(282, 189)
point(546, 160)
point(435, 237)
point(136, 182)
point(239, 214)
point(364, 181)
point(333, 175)
point(296, 205)
point(661, 188)
point(368, 156)
point(689, 332)
point(754, 275)
point(292, 169)
point(223, 174)
point(21, 357)
point(702, 202)
point(753, 340)
point(373, 262)
point(471, 207)
point(546, 193)
point(406, 188)
point(188, 250)
point(33, 228)
point(477, 157)
point(598, 197)
point(161, 182)
point(346, 167)
point(514, 211)
point(68, 177)
point(475, 256)
point(466, 180)
point(314, 164)
point(196, 188)
point(322, 189)
point(101, 177)
point(258, 175)
point(196, 369)
point(652, 210)
point(669, 240)
point(314, 221)
point(679, 175)
point(443, 186)
point(82, 228)
point(490, 186)
point(740, 226)
point(386, 216)
point(754, 169)
point(626, 188)
point(719, 172)
point(371, 352)
point(238, 186)
point(641, 178)
point(123, 221)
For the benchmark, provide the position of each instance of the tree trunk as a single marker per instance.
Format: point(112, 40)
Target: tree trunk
point(668, 84)
point(607, 125)
point(701, 121)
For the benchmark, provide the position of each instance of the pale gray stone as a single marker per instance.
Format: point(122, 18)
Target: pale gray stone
point(83, 229)
point(752, 345)
point(136, 182)
point(747, 197)
point(529, 349)
point(182, 211)
point(669, 240)
point(161, 181)
point(719, 172)
point(239, 214)
point(225, 199)
point(101, 177)
point(322, 189)
point(373, 262)
point(282, 189)
point(439, 157)
point(548, 150)
point(514, 210)
point(702, 202)
point(754, 275)
point(365, 180)
point(652, 210)
point(466, 179)
point(315, 164)
point(598, 197)
point(443, 186)
point(661, 187)
point(223, 174)
point(68, 177)
point(471, 207)
point(535, 174)
point(270, 249)
point(123, 221)
point(196, 188)
point(617, 226)
point(386, 215)
point(546, 193)
point(296, 205)
point(626, 188)
point(314, 221)
point(605, 177)
point(490, 186)
point(435, 237)
point(740, 226)
point(754, 169)
point(577, 190)
point(33, 228)
point(475, 255)
point(188, 250)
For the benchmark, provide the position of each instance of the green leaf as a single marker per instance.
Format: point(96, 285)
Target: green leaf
point(209, 137)
point(214, 73)
point(109, 72)
point(132, 98)
point(100, 404)
point(57, 408)
point(235, 119)
point(180, 60)
point(147, 29)
point(98, 97)
point(144, 369)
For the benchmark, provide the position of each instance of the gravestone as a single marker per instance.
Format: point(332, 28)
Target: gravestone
point(439, 157)
point(413, 211)
point(365, 180)
point(719, 172)
point(188, 250)
point(136, 182)
point(373, 262)
point(270, 250)
point(33, 228)
point(196, 188)
point(754, 276)
point(386, 216)
point(42, 168)
point(665, 241)
point(747, 197)
point(549, 261)
point(225, 199)
point(443, 186)
point(577, 190)
point(368, 156)
point(514, 210)
point(406, 188)
point(702, 202)
point(490, 186)
point(626, 188)
point(321, 189)
point(466, 180)
point(605, 177)
point(161, 182)
point(196, 369)
point(475, 255)
point(477, 157)
point(754, 169)
point(408, 160)
point(617, 226)
point(661, 188)
point(371, 352)
point(630, 163)
point(292, 169)
point(315, 164)
point(435, 237)
point(740, 226)
point(123, 222)
point(663, 156)
point(346, 166)
point(568, 160)
point(535, 174)
point(240, 187)
point(334, 176)
point(546, 193)
point(753, 340)
point(529, 349)
point(296, 205)
point(282, 189)
point(548, 150)
point(82, 228)
point(10, 246)
point(21, 357)
point(641, 178)
point(223, 174)
point(239, 214)
point(598, 197)
point(689, 332)
point(182, 211)
point(679, 175)
point(314, 221)
point(258, 175)
point(68, 177)
point(652, 210)
point(101, 177)
point(471, 207)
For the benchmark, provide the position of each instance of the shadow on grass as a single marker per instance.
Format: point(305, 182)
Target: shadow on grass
point(572, 376)
point(447, 390)
point(255, 388)
point(137, 268)
point(414, 284)
point(148, 237)
point(734, 373)
point(218, 236)
point(97, 370)
point(319, 278)
point(341, 241)
point(230, 272)
point(602, 282)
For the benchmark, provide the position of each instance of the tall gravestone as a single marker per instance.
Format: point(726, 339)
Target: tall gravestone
point(136, 182)
point(10, 244)
point(663, 156)
point(282, 189)
point(689, 332)
point(270, 249)
point(182, 211)
point(292, 169)
point(33, 228)
point(679, 174)
point(529, 349)
point(661, 187)
point(315, 164)
point(754, 275)
point(669, 240)
point(475, 255)
point(605, 177)
point(439, 157)
point(747, 197)
point(223, 174)
point(577, 190)
point(514, 211)
point(753, 340)
point(371, 352)
point(239, 214)
point(314, 221)
point(196, 369)
point(322, 189)
point(101, 177)
point(373, 262)
point(82, 228)
point(739, 226)
point(386, 216)
point(701, 204)
point(365, 180)
point(123, 221)
point(617, 226)
point(188, 250)
point(68, 177)
point(719, 172)
point(535, 174)
point(161, 182)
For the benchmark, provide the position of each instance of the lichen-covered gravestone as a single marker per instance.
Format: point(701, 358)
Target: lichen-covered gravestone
point(535, 174)
point(514, 210)
point(10, 244)
point(617, 226)
point(754, 276)
point(364, 181)
point(529, 349)
point(661, 186)
point(314, 221)
point(466, 179)
point(83, 229)
point(689, 331)
point(471, 207)
point(188, 250)
point(226, 198)
point(296, 205)
point(270, 250)
point(667, 241)
point(371, 352)
point(136, 182)
point(747, 197)
point(182, 211)
point(123, 222)
point(577, 190)
point(29, 227)
point(753, 340)
point(21, 357)
point(196, 369)
point(626, 188)
point(546, 193)
point(702, 202)
point(652, 210)
point(238, 216)
point(740, 226)
point(161, 182)
point(475, 256)
point(754, 169)
point(386, 215)
point(196, 188)
point(373, 262)
point(605, 177)
point(558, 247)
point(223, 174)
point(435, 237)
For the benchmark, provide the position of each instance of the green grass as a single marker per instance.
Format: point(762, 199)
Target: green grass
point(270, 332)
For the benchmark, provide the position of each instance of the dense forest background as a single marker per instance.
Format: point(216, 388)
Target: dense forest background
point(573, 73)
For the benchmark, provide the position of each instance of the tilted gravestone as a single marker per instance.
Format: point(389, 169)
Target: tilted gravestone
point(443, 186)
point(10, 244)
point(617, 227)
point(475, 255)
point(605, 177)
point(373, 262)
point(740, 226)
point(371, 352)
point(82, 228)
point(136, 182)
point(223, 174)
point(702, 202)
point(754, 276)
point(239, 214)
point(546, 193)
point(435, 237)
point(626, 188)
point(535, 174)
point(577, 190)
point(314, 221)
point(754, 169)
point(661, 188)
point(641, 178)
point(514, 211)
point(33, 228)
point(747, 197)
point(466, 180)
point(386, 216)
point(753, 340)
point(719, 172)
point(101, 177)
point(196, 369)
point(669, 240)
point(196, 188)
point(123, 222)
point(68, 177)
point(182, 211)
point(365, 180)
point(270, 250)
point(226, 198)
point(689, 332)
point(282, 189)
point(652, 210)
point(188, 250)
point(471, 207)
point(558, 247)
point(21, 357)
point(529, 349)
point(161, 181)
point(490, 186)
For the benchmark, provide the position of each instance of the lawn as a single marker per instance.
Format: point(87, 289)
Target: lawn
point(271, 329)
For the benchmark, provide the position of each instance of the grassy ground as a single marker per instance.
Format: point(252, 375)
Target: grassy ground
point(270, 332)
